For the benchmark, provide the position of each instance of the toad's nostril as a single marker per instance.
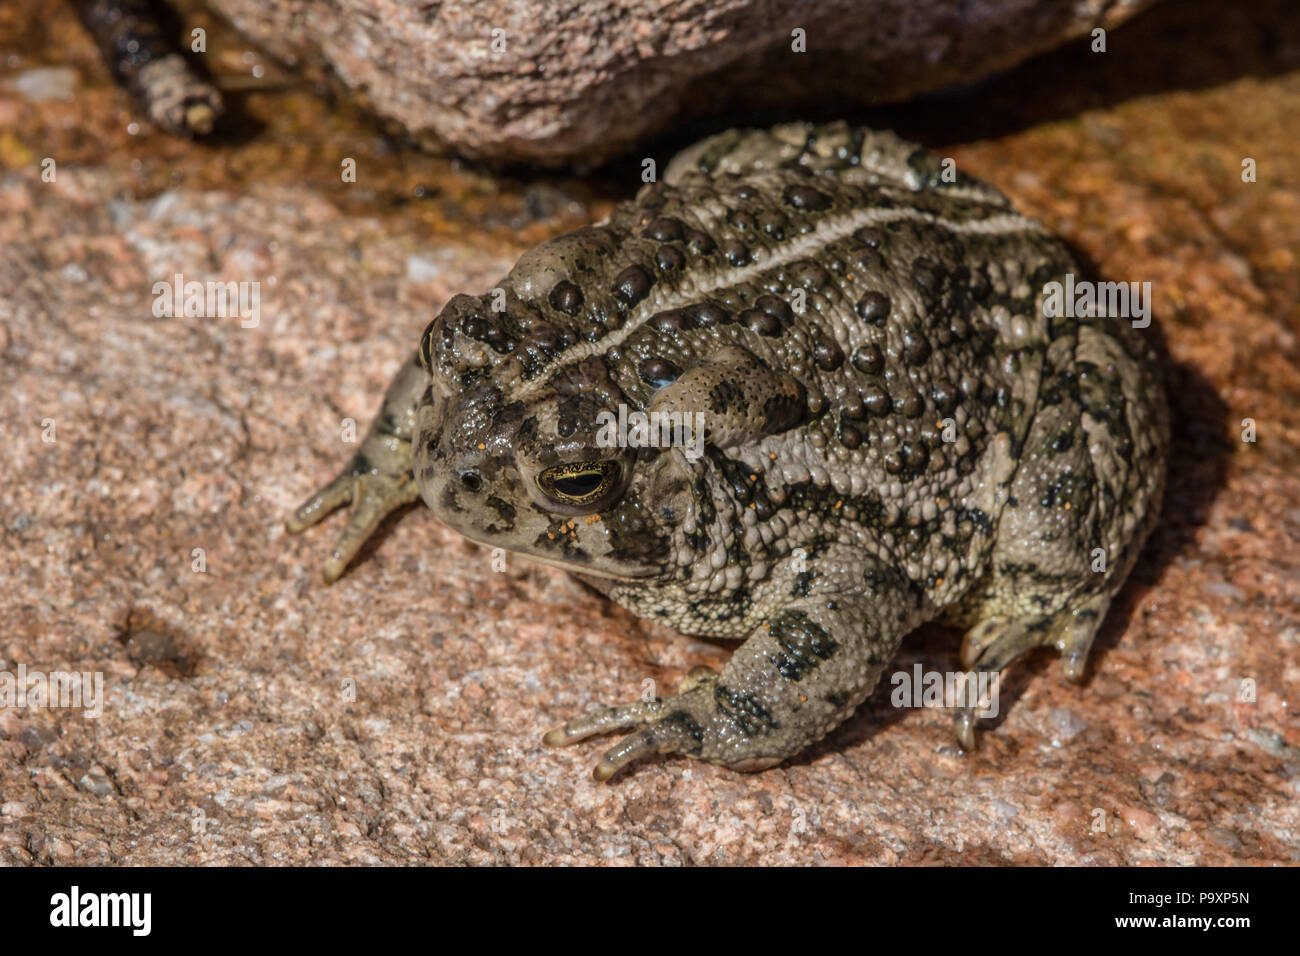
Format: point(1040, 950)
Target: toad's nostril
point(471, 481)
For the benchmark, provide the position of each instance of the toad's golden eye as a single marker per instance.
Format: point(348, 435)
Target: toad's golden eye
point(579, 482)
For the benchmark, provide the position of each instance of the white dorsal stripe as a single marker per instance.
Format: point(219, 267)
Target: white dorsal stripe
point(828, 231)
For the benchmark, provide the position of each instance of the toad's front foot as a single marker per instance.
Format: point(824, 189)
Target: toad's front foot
point(373, 495)
point(378, 479)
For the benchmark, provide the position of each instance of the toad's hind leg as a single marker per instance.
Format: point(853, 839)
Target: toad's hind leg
point(1078, 511)
point(378, 479)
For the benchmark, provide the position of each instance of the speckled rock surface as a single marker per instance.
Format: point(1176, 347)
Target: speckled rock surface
point(253, 715)
point(584, 79)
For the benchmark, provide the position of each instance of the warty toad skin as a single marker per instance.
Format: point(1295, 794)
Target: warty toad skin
point(895, 432)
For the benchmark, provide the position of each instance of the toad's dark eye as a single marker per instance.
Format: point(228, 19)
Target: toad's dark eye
point(579, 486)
point(579, 482)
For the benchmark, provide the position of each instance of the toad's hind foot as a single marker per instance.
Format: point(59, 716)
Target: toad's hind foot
point(994, 644)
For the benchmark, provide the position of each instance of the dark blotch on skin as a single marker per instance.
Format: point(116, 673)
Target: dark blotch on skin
point(805, 197)
point(475, 328)
point(850, 436)
point(916, 347)
point(909, 404)
point(781, 412)
point(804, 644)
point(773, 223)
point(566, 297)
point(927, 275)
point(708, 314)
point(915, 456)
point(667, 259)
point(876, 401)
point(664, 229)
point(679, 722)
point(809, 275)
point(743, 708)
point(870, 235)
point(659, 372)
point(776, 308)
point(674, 320)
point(740, 221)
point(736, 252)
point(760, 323)
point(700, 242)
point(505, 512)
point(869, 260)
point(632, 285)
point(868, 360)
point(724, 396)
point(544, 338)
point(828, 355)
point(873, 307)
point(802, 586)
point(945, 396)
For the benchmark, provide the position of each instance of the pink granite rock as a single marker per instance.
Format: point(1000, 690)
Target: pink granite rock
point(583, 80)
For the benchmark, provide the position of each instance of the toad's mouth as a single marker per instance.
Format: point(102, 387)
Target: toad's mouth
point(573, 567)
